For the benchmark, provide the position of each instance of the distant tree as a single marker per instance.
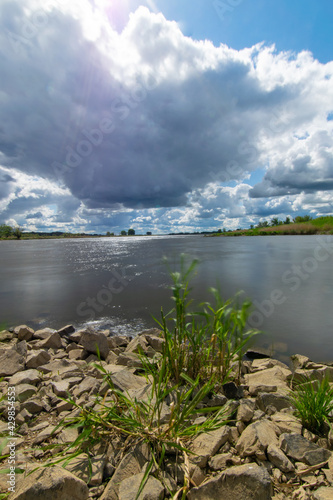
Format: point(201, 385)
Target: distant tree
point(287, 221)
point(275, 221)
point(263, 224)
point(17, 233)
point(219, 230)
point(5, 231)
point(148, 233)
point(131, 232)
point(305, 218)
point(108, 233)
point(252, 226)
point(123, 233)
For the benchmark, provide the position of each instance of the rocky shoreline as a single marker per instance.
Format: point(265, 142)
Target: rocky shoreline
point(262, 453)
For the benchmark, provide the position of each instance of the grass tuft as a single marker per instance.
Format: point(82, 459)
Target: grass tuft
point(313, 400)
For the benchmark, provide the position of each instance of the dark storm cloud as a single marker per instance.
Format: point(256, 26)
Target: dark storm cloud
point(147, 118)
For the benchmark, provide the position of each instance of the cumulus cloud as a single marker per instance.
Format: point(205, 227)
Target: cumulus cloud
point(128, 122)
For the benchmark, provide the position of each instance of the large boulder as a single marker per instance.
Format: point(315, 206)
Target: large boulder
point(37, 358)
point(95, 342)
point(256, 438)
point(23, 332)
point(11, 362)
point(275, 376)
point(90, 470)
point(44, 333)
point(153, 489)
point(207, 445)
point(130, 465)
point(264, 400)
point(25, 377)
point(278, 458)
point(244, 482)
point(286, 422)
point(53, 483)
point(52, 341)
point(124, 380)
point(323, 493)
point(302, 450)
point(24, 392)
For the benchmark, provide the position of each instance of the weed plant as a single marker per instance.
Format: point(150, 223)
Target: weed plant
point(313, 400)
point(164, 428)
point(205, 343)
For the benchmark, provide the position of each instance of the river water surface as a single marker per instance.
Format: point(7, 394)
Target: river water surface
point(120, 283)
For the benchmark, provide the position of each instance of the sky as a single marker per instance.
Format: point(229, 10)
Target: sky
point(164, 115)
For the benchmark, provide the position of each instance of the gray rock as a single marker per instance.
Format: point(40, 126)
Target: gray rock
point(153, 489)
point(63, 406)
point(75, 336)
point(254, 390)
point(6, 336)
point(88, 385)
point(129, 466)
point(264, 400)
point(286, 422)
point(45, 434)
point(33, 405)
point(125, 380)
point(299, 361)
point(71, 346)
point(302, 450)
point(23, 332)
point(323, 493)
point(94, 342)
point(313, 374)
point(66, 330)
point(231, 390)
point(130, 359)
point(22, 348)
point(217, 400)
point(206, 445)
point(53, 341)
point(264, 364)
point(35, 359)
point(112, 358)
point(78, 354)
point(278, 458)
point(140, 345)
point(60, 388)
point(245, 410)
point(44, 333)
point(80, 467)
point(59, 366)
point(219, 462)
point(24, 392)
point(156, 342)
point(11, 362)
point(244, 482)
point(276, 376)
point(68, 435)
point(256, 438)
point(53, 483)
point(118, 341)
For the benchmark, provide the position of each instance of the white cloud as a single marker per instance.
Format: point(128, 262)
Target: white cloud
point(128, 123)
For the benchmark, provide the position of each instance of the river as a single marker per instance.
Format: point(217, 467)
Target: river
point(120, 283)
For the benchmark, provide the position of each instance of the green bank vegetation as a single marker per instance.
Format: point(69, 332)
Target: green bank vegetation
point(16, 233)
point(313, 401)
point(299, 226)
